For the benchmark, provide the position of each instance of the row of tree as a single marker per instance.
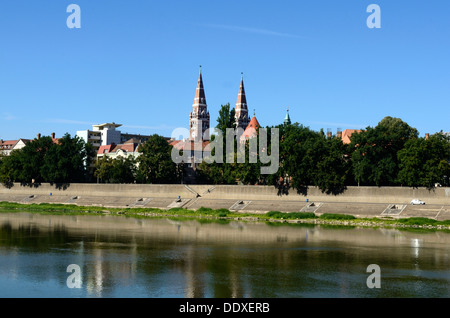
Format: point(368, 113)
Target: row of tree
point(389, 154)
point(153, 165)
point(44, 160)
point(71, 159)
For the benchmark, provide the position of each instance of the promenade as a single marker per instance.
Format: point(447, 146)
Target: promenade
point(391, 202)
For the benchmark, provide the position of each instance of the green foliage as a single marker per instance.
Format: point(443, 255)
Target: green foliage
point(375, 150)
point(300, 150)
point(42, 160)
point(333, 169)
point(66, 161)
point(290, 215)
point(418, 221)
point(227, 172)
point(335, 216)
point(118, 170)
point(424, 162)
point(226, 118)
point(155, 162)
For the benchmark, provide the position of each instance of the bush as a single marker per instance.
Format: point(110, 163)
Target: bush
point(209, 211)
point(275, 214)
point(204, 210)
point(301, 215)
point(334, 216)
point(290, 215)
point(417, 221)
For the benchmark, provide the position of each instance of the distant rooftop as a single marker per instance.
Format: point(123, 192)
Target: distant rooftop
point(106, 125)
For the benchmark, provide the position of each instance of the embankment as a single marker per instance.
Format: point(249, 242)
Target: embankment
point(364, 201)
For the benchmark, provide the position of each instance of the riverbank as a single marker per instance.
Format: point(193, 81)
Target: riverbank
point(224, 215)
point(361, 202)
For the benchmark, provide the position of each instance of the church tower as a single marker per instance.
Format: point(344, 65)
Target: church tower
point(287, 119)
point(241, 110)
point(199, 117)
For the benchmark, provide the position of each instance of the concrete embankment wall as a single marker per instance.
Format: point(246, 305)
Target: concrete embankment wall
point(394, 195)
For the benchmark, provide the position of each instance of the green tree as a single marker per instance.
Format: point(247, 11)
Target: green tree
point(31, 159)
point(226, 118)
point(333, 169)
point(300, 150)
point(374, 156)
point(155, 162)
point(424, 162)
point(10, 166)
point(118, 170)
point(67, 160)
point(220, 172)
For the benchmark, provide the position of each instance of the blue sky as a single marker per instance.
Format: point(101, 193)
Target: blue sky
point(136, 63)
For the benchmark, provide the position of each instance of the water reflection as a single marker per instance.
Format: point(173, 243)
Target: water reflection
point(125, 257)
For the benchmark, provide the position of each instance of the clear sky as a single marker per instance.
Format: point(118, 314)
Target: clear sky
point(136, 62)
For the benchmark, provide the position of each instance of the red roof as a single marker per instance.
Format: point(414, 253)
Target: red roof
point(251, 129)
point(105, 149)
point(128, 146)
point(124, 147)
point(346, 134)
point(8, 144)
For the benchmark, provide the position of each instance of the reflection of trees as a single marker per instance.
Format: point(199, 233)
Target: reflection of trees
point(31, 236)
point(200, 262)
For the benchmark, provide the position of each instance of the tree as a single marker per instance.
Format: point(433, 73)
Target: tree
point(155, 162)
point(31, 159)
point(118, 170)
point(43, 160)
point(333, 168)
point(374, 156)
point(67, 160)
point(226, 118)
point(300, 151)
point(9, 168)
point(220, 172)
point(424, 162)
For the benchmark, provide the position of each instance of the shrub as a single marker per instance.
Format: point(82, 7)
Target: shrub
point(334, 216)
point(290, 215)
point(274, 214)
point(417, 221)
point(301, 215)
point(204, 210)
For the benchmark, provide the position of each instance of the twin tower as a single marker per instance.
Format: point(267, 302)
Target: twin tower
point(199, 117)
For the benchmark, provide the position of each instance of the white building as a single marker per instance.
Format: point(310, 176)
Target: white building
point(101, 135)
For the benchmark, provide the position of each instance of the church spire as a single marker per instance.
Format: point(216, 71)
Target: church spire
point(287, 119)
point(241, 110)
point(199, 117)
point(200, 98)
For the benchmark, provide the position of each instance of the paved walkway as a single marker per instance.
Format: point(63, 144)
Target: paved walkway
point(365, 209)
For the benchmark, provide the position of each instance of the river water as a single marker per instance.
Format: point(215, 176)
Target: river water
point(126, 257)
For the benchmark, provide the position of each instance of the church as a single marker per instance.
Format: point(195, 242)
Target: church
point(197, 145)
point(199, 118)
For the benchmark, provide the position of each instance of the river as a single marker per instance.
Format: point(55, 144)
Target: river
point(115, 256)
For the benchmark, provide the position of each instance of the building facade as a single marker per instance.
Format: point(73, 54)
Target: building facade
point(101, 135)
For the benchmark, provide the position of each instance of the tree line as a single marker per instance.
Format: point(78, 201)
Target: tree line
point(71, 159)
point(389, 154)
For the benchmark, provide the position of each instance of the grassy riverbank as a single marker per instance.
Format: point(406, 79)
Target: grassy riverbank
point(224, 214)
